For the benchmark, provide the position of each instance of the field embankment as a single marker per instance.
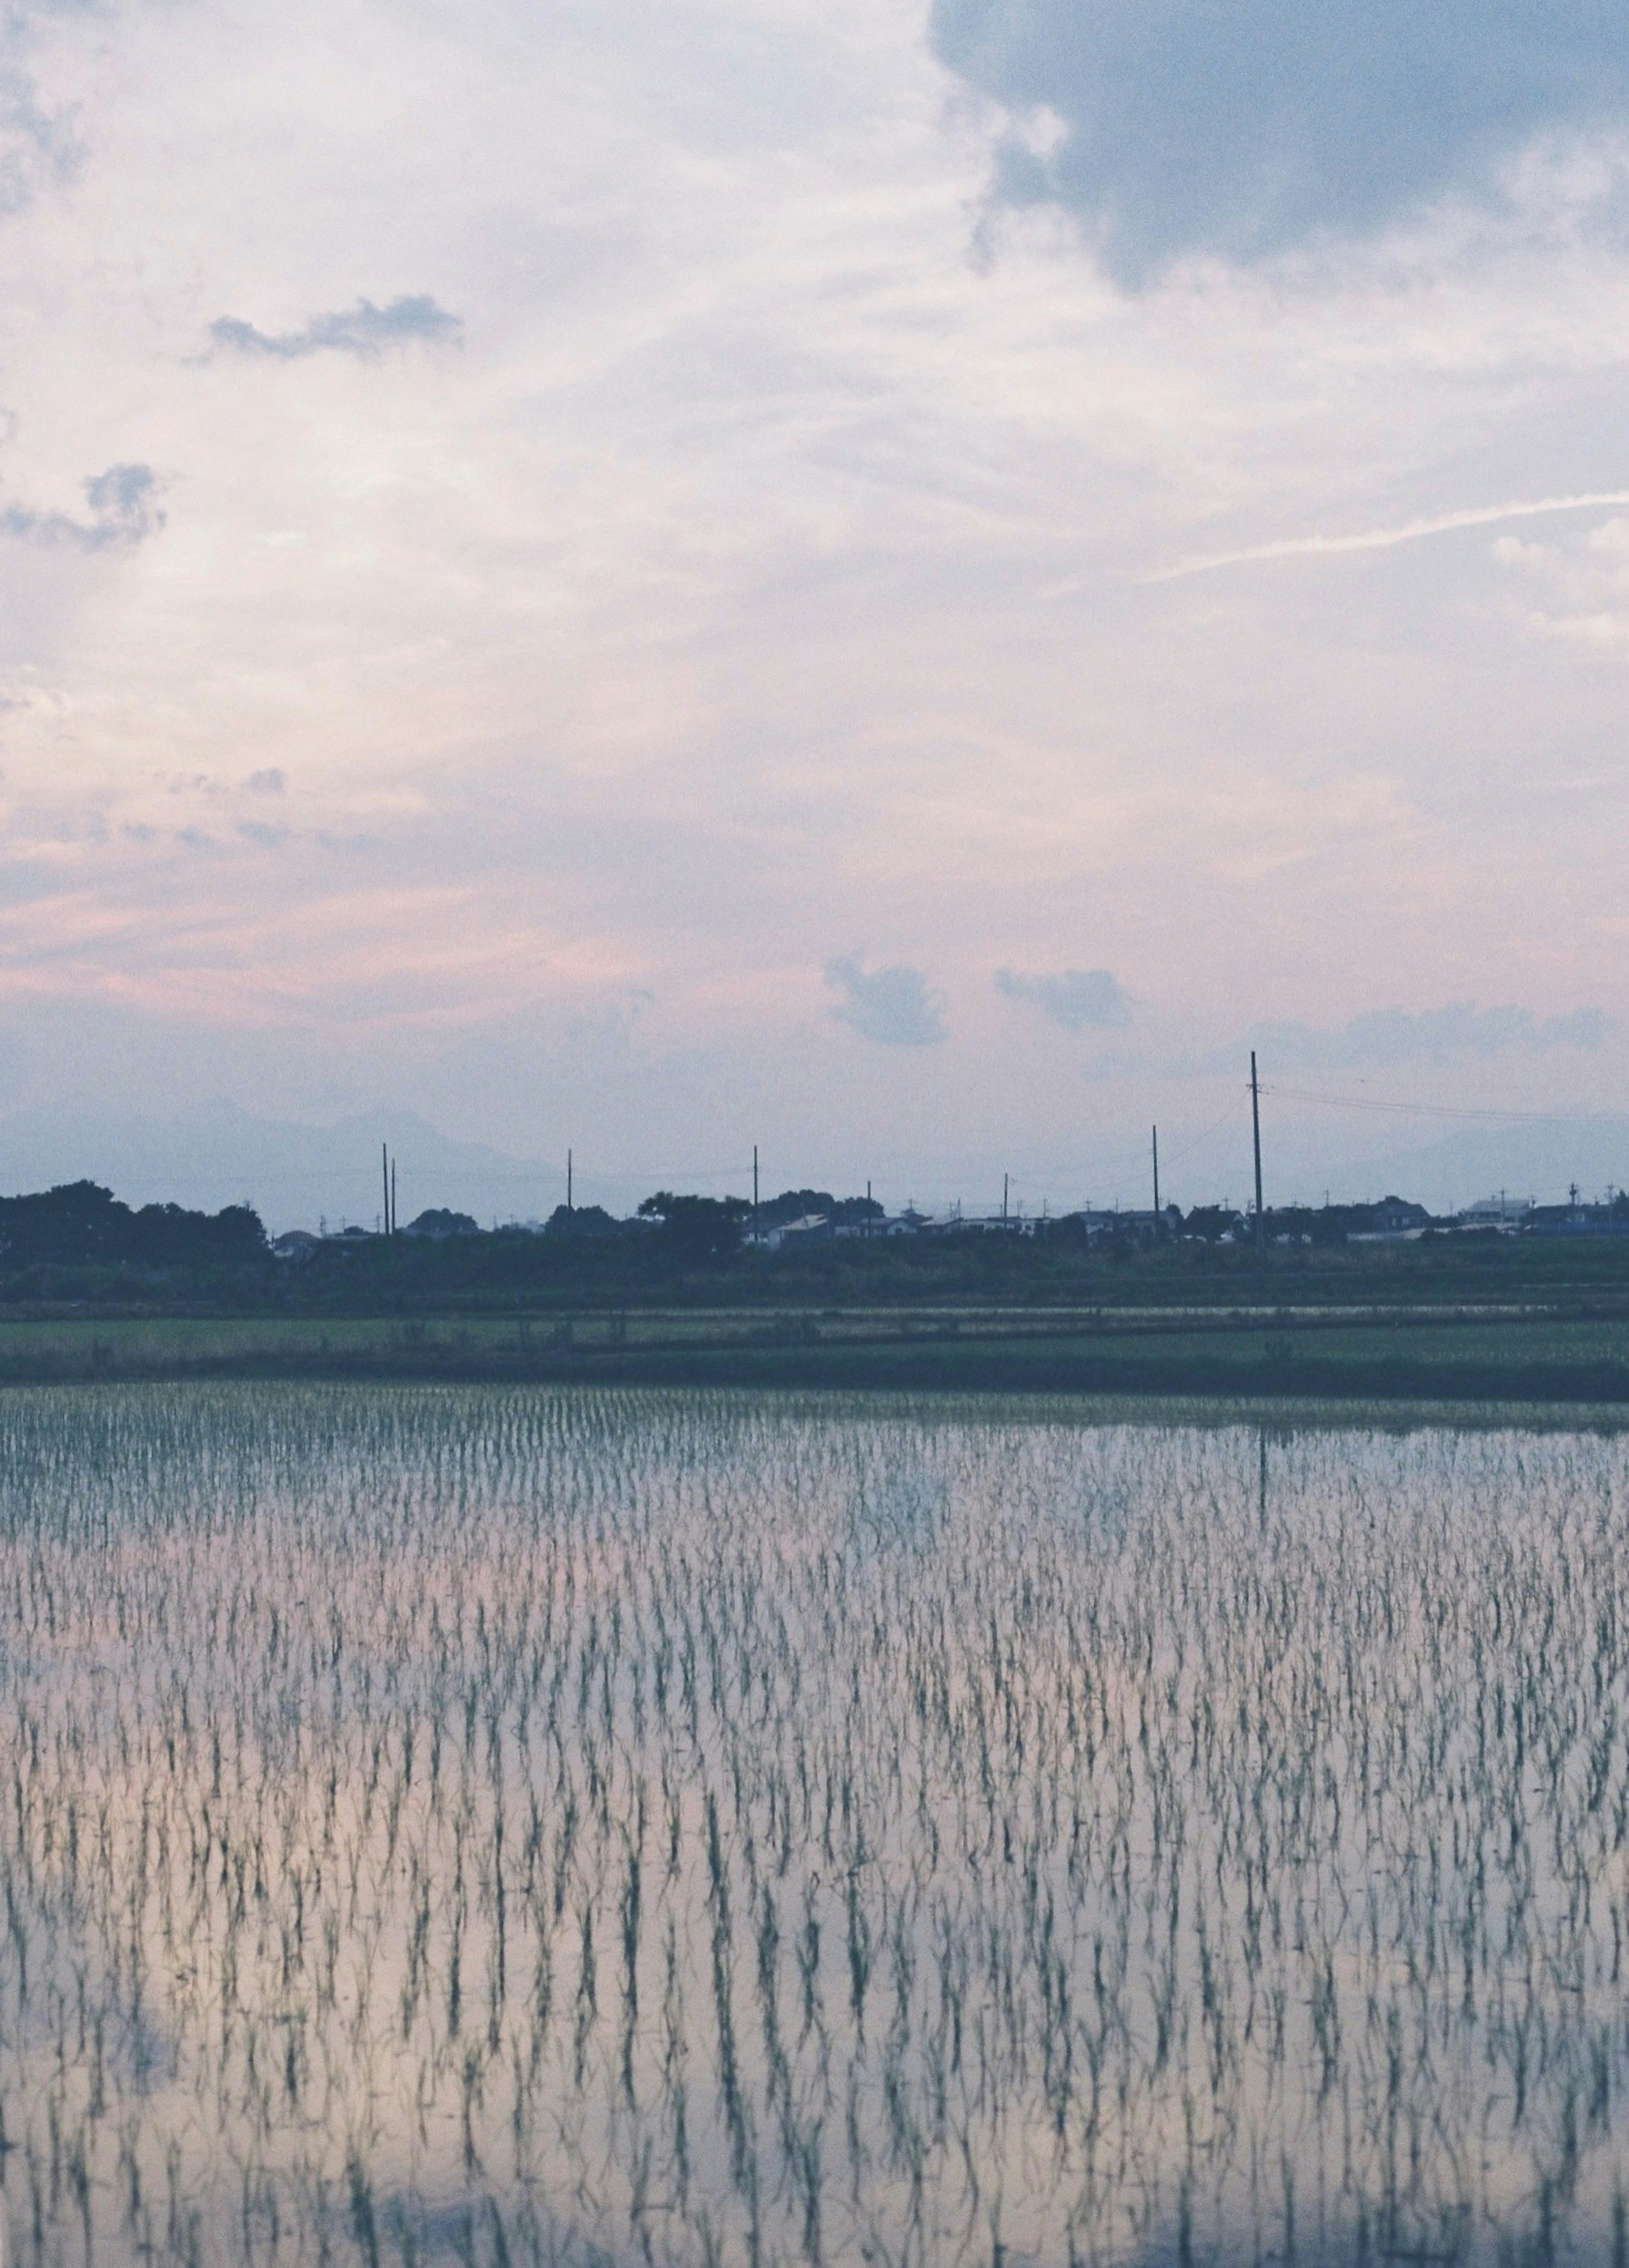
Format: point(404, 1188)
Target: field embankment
point(1510, 1352)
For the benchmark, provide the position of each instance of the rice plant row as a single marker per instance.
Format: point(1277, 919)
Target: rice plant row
point(595, 1827)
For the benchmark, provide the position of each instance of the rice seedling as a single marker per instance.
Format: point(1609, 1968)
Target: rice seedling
point(522, 1825)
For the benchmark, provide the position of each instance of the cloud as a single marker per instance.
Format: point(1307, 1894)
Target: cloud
point(1070, 996)
point(1389, 1036)
point(364, 330)
point(271, 781)
point(124, 508)
point(1244, 127)
point(1587, 583)
point(892, 1006)
point(38, 149)
point(1508, 551)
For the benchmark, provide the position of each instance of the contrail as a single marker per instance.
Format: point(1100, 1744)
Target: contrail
point(1382, 539)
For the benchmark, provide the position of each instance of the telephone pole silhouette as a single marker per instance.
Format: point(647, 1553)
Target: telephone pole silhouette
point(1255, 1125)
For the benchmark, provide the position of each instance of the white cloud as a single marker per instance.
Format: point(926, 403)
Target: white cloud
point(1586, 582)
point(1387, 539)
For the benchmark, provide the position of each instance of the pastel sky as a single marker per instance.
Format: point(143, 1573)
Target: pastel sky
point(897, 582)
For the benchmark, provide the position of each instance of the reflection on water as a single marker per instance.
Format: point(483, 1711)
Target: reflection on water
point(511, 1826)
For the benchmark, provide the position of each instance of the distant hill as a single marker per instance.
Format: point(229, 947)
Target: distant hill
point(1534, 1160)
point(294, 1175)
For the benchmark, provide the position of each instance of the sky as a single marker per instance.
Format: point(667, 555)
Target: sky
point(902, 582)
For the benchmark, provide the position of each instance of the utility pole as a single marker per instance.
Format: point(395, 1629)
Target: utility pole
point(384, 1177)
point(1254, 1126)
point(569, 1204)
point(392, 1197)
point(868, 1209)
point(754, 1192)
point(1003, 1200)
point(1156, 1170)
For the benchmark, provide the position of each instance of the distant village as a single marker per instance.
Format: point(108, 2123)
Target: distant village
point(82, 1225)
point(801, 1220)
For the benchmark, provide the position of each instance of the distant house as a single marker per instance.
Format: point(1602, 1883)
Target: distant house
point(1502, 1212)
point(1095, 1225)
point(295, 1244)
point(1394, 1220)
point(1147, 1227)
point(795, 1209)
point(1578, 1219)
point(798, 1235)
point(1395, 1216)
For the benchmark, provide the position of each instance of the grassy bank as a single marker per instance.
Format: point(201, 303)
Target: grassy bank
point(1469, 1353)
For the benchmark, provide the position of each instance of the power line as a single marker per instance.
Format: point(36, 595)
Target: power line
point(1440, 1110)
point(1232, 1111)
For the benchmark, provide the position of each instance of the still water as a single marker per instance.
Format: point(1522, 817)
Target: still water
point(443, 1825)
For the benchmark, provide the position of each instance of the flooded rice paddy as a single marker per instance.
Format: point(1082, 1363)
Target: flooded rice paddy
point(522, 1826)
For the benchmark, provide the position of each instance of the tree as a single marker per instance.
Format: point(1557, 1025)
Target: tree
point(799, 1204)
point(581, 1220)
point(796, 1204)
point(80, 1223)
point(437, 1223)
point(694, 1230)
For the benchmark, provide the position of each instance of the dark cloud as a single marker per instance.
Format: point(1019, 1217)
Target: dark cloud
point(124, 508)
point(1243, 126)
point(364, 329)
point(892, 1006)
point(1459, 1032)
point(269, 782)
point(1073, 997)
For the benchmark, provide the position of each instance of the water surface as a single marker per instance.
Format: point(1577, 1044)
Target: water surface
point(519, 1825)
